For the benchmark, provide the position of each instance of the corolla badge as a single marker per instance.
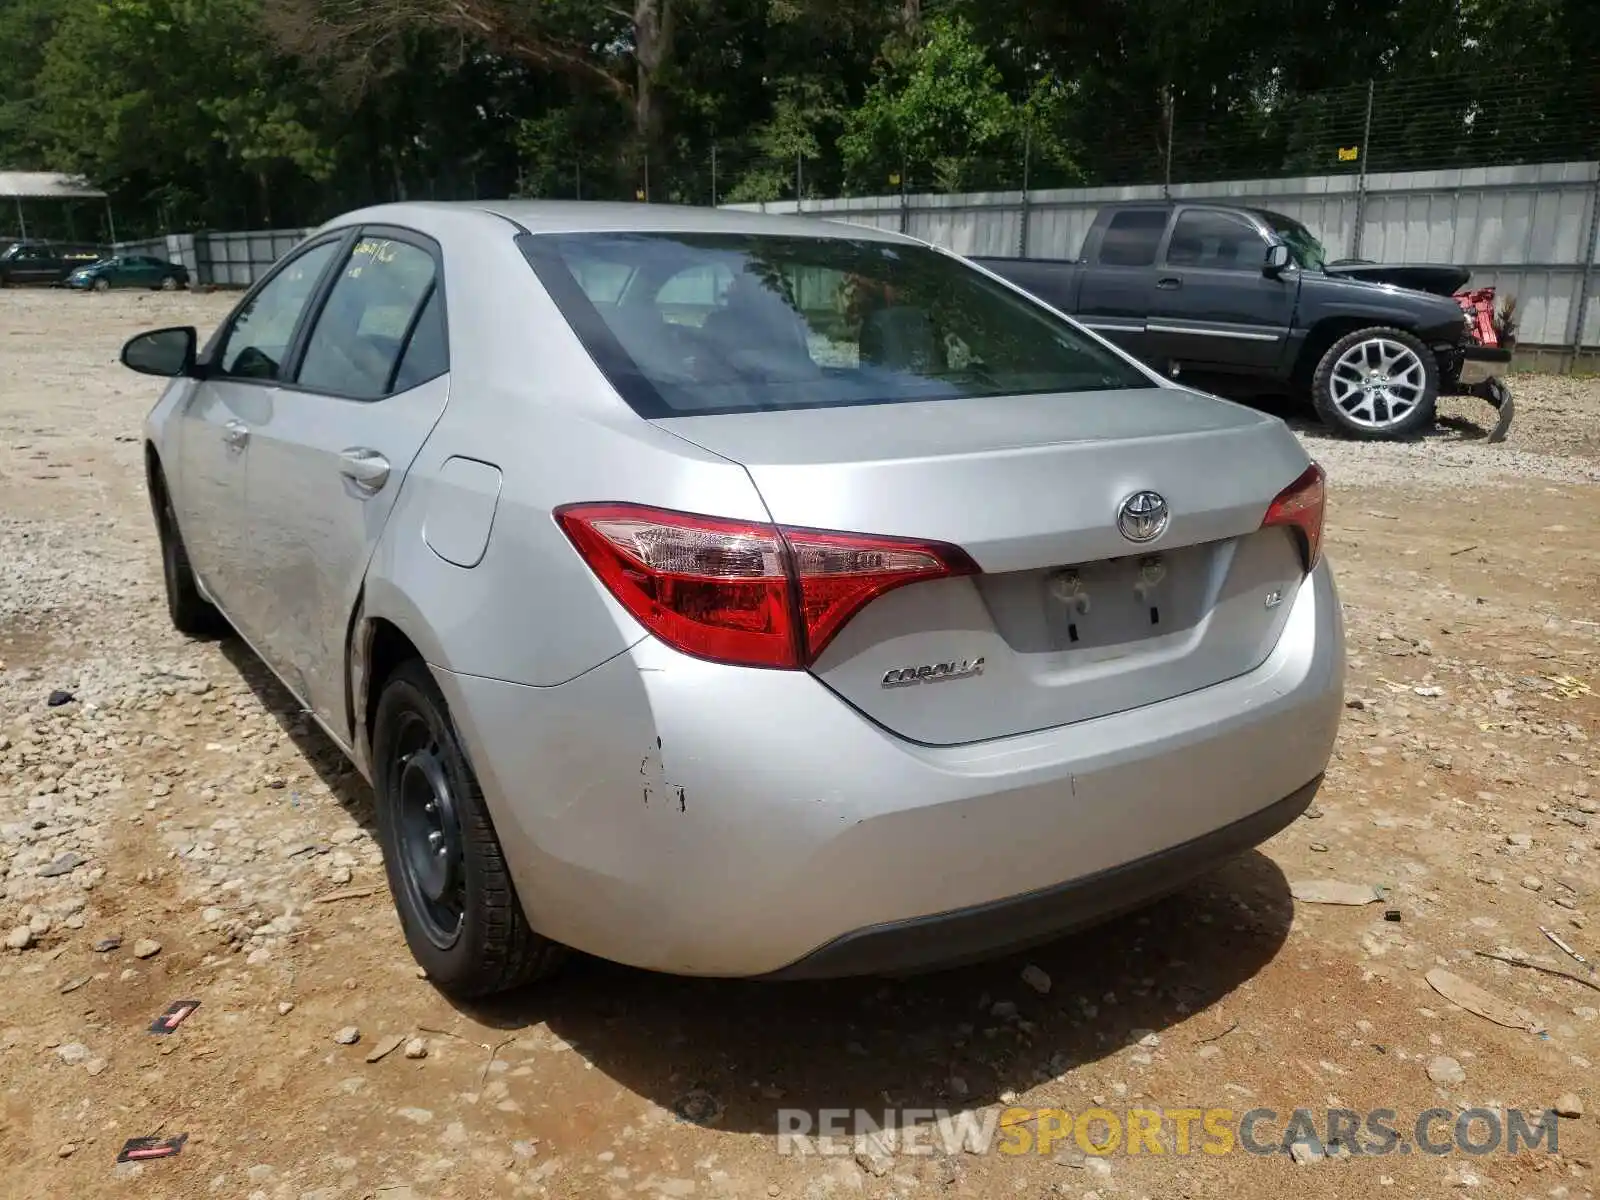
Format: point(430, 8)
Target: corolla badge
point(1143, 517)
point(933, 672)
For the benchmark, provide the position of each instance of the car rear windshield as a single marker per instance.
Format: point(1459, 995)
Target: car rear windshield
point(690, 324)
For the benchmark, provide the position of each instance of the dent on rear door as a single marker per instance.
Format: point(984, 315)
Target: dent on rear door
point(316, 530)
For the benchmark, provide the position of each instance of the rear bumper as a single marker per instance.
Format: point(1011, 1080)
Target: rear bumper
point(972, 934)
point(681, 816)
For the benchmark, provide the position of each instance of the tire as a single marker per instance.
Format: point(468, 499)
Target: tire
point(169, 284)
point(447, 872)
point(1375, 384)
point(102, 284)
point(192, 614)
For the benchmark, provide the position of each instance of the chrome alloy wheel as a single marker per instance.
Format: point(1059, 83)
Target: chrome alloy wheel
point(1377, 383)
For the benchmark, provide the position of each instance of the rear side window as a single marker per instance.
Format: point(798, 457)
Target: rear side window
point(728, 323)
point(427, 354)
point(1216, 241)
point(1132, 237)
point(356, 345)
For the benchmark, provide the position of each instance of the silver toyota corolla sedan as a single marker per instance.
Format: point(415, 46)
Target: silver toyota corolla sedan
point(743, 596)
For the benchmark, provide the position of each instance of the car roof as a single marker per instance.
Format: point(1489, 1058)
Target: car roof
point(587, 216)
point(1222, 203)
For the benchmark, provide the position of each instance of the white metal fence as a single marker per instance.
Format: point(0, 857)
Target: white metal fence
point(1529, 231)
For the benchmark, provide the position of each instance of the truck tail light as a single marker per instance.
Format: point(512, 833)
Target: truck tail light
point(745, 592)
point(1300, 507)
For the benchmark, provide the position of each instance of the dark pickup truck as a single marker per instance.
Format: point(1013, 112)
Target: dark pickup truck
point(46, 262)
point(1244, 300)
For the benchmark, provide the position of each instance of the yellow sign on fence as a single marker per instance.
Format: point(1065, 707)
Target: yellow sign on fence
point(1349, 153)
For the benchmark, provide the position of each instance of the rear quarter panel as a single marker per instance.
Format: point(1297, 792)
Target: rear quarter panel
point(1056, 283)
point(526, 398)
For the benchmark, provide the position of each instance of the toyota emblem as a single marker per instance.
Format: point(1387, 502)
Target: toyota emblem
point(1143, 517)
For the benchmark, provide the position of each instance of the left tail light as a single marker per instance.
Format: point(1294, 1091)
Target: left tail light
point(1300, 507)
point(743, 592)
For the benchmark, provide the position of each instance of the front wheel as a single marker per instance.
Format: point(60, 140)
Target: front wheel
point(1377, 383)
point(169, 284)
point(457, 906)
point(102, 284)
point(192, 614)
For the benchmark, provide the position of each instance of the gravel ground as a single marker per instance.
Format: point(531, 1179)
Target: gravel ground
point(174, 831)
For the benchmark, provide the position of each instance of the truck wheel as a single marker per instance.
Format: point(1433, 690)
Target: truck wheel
point(1376, 383)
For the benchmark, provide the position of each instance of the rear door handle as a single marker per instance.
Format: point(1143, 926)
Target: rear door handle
point(235, 434)
point(1169, 283)
point(366, 469)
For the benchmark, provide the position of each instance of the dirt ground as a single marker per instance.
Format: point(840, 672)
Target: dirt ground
point(180, 799)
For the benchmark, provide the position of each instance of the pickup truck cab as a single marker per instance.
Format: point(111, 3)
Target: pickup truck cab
point(1242, 299)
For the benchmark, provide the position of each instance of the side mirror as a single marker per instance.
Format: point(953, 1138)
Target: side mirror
point(1277, 261)
point(164, 352)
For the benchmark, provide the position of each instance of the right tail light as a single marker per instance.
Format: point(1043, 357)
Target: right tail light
point(1300, 507)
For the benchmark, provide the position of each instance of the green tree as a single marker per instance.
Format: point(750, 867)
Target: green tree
point(177, 99)
point(939, 110)
point(26, 27)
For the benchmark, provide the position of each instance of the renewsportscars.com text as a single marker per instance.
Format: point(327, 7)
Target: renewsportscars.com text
point(1176, 1131)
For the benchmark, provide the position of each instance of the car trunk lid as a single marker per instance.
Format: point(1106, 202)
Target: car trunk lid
point(1069, 619)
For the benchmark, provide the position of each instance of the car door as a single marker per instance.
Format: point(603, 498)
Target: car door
point(1115, 296)
point(370, 383)
point(34, 264)
point(1214, 307)
point(239, 377)
point(136, 271)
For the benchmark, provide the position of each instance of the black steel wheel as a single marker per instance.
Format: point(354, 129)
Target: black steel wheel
point(428, 832)
point(452, 889)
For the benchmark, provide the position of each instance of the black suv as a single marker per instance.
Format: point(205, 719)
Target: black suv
point(46, 262)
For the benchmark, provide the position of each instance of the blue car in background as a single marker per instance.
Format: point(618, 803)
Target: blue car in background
point(129, 271)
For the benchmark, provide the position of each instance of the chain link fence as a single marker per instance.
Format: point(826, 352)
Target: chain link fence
point(1495, 118)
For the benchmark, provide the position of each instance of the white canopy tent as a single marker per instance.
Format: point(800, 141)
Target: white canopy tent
point(18, 186)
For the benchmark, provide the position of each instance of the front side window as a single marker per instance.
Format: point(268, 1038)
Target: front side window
point(1217, 241)
point(1307, 252)
point(259, 340)
point(361, 332)
point(724, 323)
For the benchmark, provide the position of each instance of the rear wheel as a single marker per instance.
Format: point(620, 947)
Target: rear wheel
point(1377, 383)
point(169, 284)
point(191, 613)
point(457, 905)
